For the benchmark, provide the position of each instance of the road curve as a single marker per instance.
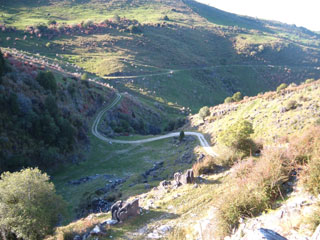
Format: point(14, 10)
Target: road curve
point(95, 132)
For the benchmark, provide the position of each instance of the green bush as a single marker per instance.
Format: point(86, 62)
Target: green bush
point(228, 100)
point(310, 80)
point(84, 77)
point(235, 98)
point(237, 136)
point(47, 81)
point(204, 112)
point(281, 87)
point(29, 206)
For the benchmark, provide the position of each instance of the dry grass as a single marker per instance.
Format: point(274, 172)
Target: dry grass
point(256, 184)
point(79, 227)
point(206, 166)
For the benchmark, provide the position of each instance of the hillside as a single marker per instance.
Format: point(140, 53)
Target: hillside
point(123, 100)
point(45, 117)
point(161, 48)
point(194, 210)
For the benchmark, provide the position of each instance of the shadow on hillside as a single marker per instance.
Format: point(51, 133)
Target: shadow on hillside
point(203, 181)
point(146, 216)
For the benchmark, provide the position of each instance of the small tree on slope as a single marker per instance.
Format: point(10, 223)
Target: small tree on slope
point(29, 206)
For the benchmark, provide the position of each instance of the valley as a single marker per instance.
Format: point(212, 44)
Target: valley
point(122, 99)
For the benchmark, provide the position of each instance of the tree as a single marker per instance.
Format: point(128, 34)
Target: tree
point(281, 87)
point(237, 97)
point(181, 136)
point(29, 205)
point(166, 18)
point(47, 81)
point(237, 135)
point(116, 18)
point(84, 77)
point(2, 66)
point(204, 112)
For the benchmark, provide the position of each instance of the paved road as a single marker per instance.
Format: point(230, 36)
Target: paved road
point(203, 142)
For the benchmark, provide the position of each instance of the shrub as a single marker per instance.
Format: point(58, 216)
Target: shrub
point(310, 80)
point(208, 165)
point(116, 18)
point(134, 29)
point(165, 18)
point(292, 104)
point(87, 24)
point(228, 100)
point(29, 206)
point(256, 186)
point(235, 98)
point(84, 77)
point(52, 22)
point(281, 87)
point(204, 112)
point(47, 81)
point(237, 136)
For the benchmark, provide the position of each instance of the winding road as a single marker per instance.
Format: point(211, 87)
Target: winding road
point(203, 142)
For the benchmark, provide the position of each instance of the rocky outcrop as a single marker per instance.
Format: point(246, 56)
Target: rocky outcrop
point(182, 179)
point(122, 211)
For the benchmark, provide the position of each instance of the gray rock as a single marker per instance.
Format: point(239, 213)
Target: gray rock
point(164, 184)
point(121, 212)
point(186, 178)
point(109, 222)
point(177, 178)
point(77, 237)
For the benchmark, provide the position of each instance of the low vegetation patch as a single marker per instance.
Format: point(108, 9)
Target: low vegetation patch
point(256, 185)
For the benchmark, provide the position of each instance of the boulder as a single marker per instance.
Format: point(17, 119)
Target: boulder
point(186, 178)
point(121, 212)
point(164, 184)
point(96, 231)
point(177, 178)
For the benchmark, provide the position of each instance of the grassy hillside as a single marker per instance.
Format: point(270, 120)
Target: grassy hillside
point(210, 208)
point(185, 38)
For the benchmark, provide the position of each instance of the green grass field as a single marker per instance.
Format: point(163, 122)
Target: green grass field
point(120, 160)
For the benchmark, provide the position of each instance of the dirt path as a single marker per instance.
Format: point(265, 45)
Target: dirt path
point(203, 142)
